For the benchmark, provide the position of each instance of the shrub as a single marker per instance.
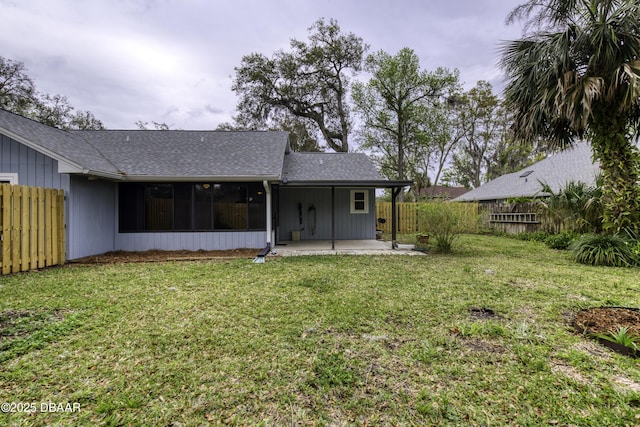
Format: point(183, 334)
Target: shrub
point(623, 337)
point(603, 249)
point(445, 221)
point(633, 242)
point(576, 205)
point(560, 241)
point(634, 247)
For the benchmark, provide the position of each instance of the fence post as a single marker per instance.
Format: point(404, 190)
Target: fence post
point(24, 229)
point(15, 229)
point(6, 197)
point(41, 229)
point(62, 247)
point(33, 227)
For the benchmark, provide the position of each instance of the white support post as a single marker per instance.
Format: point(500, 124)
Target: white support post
point(267, 189)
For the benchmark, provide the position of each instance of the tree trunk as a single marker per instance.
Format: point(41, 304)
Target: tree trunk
point(620, 166)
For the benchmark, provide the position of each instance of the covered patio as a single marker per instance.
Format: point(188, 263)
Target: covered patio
point(328, 203)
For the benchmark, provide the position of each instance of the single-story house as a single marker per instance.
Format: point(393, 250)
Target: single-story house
point(136, 190)
point(575, 163)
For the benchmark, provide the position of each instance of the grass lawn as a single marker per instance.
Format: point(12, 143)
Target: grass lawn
point(333, 340)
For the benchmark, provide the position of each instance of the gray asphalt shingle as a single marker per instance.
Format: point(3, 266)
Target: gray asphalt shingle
point(573, 164)
point(179, 153)
point(56, 143)
point(327, 167)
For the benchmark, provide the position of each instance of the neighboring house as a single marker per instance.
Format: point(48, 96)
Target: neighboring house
point(137, 190)
point(573, 164)
point(441, 192)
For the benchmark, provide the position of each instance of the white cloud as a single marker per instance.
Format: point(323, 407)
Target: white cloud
point(173, 61)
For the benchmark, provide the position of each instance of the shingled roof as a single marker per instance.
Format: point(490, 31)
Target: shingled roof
point(180, 154)
point(573, 164)
point(154, 155)
point(69, 149)
point(338, 169)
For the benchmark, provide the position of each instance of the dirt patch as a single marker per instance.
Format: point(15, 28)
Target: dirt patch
point(626, 383)
point(483, 346)
point(121, 257)
point(602, 320)
point(19, 323)
point(559, 367)
point(599, 323)
point(482, 313)
point(593, 349)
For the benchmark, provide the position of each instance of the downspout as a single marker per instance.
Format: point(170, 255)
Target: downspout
point(259, 259)
point(333, 218)
point(267, 189)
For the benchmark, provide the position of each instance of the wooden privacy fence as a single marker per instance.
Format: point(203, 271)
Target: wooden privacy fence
point(411, 219)
point(32, 227)
point(512, 218)
point(526, 217)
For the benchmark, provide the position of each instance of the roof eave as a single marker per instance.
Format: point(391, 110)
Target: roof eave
point(41, 149)
point(192, 178)
point(462, 198)
point(358, 183)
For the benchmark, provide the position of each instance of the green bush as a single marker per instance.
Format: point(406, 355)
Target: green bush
point(445, 221)
point(634, 247)
point(560, 241)
point(603, 249)
point(633, 242)
point(577, 206)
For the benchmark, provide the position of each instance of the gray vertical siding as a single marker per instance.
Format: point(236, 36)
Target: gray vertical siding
point(348, 226)
point(94, 213)
point(89, 205)
point(91, 217)
point(91, 212)
point(191, 241)
point(33, 168)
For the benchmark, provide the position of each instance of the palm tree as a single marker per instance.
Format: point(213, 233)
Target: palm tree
point(576, 206)
point(576, 74)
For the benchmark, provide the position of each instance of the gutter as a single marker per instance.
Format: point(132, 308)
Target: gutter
point(364, 184)
point(197, 178)
point(259, 259)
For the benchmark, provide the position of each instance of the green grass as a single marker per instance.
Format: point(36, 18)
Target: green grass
point(333, 340)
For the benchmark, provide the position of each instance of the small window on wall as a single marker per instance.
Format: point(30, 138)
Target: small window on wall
point(9, 178)
point(359, 201)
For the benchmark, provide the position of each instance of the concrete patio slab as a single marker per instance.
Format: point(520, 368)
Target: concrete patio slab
point(342, 247)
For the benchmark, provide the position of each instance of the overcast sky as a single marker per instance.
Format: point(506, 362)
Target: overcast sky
point(173, 61)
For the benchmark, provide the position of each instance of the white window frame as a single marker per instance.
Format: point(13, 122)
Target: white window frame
point(11, 178)
point(352, 202)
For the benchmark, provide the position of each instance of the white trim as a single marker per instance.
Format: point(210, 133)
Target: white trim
point(197, 178)
point(37, 147)
point(267, 189)
point(365, 200)
point(11, 178)
point(64, 165)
